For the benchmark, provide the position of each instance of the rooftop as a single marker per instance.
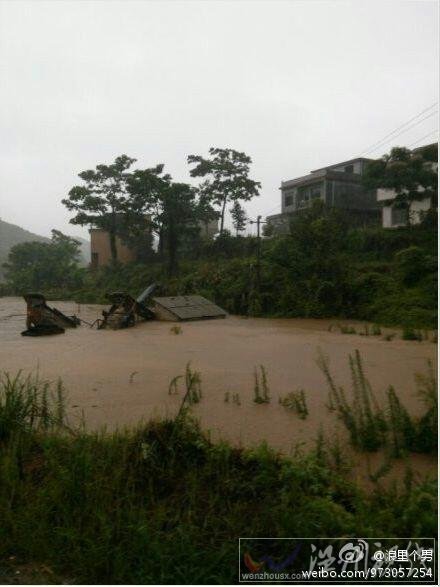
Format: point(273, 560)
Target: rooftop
point(326, 172)
point(366, 159)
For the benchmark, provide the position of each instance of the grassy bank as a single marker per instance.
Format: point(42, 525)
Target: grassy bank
point(161, 503)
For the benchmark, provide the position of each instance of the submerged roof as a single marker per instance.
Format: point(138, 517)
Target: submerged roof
point(190, 307)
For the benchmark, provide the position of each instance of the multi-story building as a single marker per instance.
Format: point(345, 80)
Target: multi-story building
point(338, 186)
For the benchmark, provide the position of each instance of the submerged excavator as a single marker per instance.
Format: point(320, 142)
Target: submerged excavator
point(41, 319)
point(125, 311)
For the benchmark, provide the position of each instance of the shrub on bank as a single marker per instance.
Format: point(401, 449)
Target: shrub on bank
point(321, 269)
point(163, 504)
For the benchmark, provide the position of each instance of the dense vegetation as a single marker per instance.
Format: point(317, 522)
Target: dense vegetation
point(323, 268)
point(163, 504)
point(35, 266)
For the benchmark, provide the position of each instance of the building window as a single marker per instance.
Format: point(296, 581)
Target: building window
point(288, 200)
point(349, 169)
point(302, 198)
point(307, 193)
point(398, 216)
point(315, 191)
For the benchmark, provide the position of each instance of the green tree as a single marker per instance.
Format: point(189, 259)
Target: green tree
point(41, 266)
point(103, 198)
point(140, 211)
point(179, 215)
point(227, 173)
point(313, 263)
point(173, 210)
point(239, 218)
point(412, 175)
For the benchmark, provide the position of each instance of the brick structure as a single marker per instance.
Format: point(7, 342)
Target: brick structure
point(100, 249)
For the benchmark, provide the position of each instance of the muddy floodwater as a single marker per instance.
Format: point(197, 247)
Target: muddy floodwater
point(116, 378)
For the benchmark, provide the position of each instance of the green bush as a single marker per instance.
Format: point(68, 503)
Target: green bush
point(372, 426)
point(321, 269)
point(163, 504)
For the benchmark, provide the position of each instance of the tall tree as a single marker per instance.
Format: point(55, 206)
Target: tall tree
point(239, 218)
point(412, 175)
point(102, 199)
point(179, 215)
point(172, 209)
point(227, 177)
point(147, 188)
point(40, 265)
point(141, 210)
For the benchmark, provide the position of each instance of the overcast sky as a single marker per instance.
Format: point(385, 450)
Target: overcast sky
point(296, 85)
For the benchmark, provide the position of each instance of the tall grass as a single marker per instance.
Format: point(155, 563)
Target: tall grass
point(296, 401)
point(426, 435)
point(361, 414)
point(261, 386)
point(28, 403)
point(372, 426)
point(163, 504)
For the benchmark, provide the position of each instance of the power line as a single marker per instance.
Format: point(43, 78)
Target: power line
point(392, 135)
point(423, 138)
point(401, 132)
point(399, 127)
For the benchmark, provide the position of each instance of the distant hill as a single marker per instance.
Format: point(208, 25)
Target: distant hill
point(11, 234)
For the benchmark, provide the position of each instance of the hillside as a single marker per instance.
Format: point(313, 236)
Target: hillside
point(11, 234)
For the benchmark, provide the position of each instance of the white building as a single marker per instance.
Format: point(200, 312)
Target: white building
point(394, 217)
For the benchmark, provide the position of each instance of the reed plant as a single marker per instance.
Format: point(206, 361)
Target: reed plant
point(360, 414)
point(261, 386)
point(29, 403)
point(372, 426)
point(161, 503)
point(296, 401)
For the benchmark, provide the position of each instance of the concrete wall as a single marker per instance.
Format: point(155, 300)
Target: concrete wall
point(416, 208)
point(280, 223)
point(416, 212)
point(100, 249)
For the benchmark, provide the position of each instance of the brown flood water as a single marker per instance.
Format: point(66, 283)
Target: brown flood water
point(116, 378)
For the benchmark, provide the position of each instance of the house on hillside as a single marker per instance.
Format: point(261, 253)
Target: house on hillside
point(338, 186)
point(393, 217)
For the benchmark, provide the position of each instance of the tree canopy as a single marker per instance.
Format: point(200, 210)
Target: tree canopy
point(103, 197)
point(44, 266)
point(412, 175)
point(239, 218)
point(173, 210)
point(227, 178)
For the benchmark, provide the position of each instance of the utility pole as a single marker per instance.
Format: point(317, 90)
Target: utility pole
point(258, 222)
